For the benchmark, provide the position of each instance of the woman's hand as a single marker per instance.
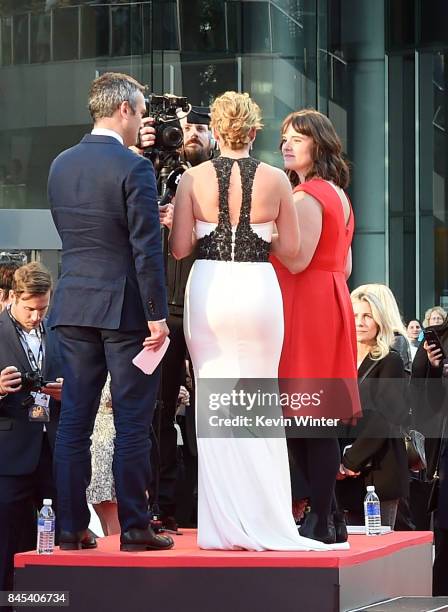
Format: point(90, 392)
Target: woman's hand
point(434, 354)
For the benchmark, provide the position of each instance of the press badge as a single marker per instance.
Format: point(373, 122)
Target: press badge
point(40, 408)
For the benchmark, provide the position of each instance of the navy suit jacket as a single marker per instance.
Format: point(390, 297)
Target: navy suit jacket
point(21, 440)
point(103, 200)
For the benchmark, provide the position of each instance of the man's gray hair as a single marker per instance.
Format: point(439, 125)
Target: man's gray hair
point(110, 90)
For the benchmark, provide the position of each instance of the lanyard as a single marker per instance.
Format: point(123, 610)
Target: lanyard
point(36, 365)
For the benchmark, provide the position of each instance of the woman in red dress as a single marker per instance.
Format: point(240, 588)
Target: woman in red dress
point(320, 339)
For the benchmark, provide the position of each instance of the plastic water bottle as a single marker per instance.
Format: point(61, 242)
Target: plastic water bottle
point(372, 512)
point(46, 525)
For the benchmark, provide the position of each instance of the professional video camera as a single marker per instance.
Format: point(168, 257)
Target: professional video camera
point(163, 109)
point(165, 154)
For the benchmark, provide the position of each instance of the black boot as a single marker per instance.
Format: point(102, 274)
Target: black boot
point(319, 529)
point(340, 527)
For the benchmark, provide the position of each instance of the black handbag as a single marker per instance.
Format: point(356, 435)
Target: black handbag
point(415, 450)
point(433, 499)
point(434, 482)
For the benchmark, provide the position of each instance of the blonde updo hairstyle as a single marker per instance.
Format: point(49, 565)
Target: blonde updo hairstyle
point(233, 116)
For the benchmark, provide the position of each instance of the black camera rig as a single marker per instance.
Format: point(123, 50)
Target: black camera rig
point(165, 154)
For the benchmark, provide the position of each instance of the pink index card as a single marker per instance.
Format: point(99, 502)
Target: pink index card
point(148, 359)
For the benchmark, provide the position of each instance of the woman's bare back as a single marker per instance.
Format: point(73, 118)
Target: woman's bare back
point(265, 193)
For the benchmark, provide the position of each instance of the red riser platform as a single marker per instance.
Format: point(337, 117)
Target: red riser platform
point(188, 578)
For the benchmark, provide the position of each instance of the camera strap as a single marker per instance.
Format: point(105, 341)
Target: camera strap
point(35, 363)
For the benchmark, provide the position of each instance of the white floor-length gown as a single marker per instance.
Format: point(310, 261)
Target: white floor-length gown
point(234, 329)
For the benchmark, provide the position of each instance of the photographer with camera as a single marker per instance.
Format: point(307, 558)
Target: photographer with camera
point(197, 147)
point(29, 412)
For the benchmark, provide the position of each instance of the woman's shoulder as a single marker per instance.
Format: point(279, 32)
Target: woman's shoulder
point(272, 170)
point(203, 168)
point(392, 364)
point(272, 176)
point(318, 189)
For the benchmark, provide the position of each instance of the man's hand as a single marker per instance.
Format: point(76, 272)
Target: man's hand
point(346, 472)
point(166, 215)
point(10, 380)
point(159, 331)
point(147, 136)
point(147, 133)
point(434, 354)
point(54, 389)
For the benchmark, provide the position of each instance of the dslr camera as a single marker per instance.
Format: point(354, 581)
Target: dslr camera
point(32, 381)
point(163, 109)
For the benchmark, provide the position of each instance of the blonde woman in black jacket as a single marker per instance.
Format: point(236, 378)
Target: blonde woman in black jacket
point(376, 454)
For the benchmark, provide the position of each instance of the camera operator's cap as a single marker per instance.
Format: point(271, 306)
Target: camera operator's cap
point(199, 114)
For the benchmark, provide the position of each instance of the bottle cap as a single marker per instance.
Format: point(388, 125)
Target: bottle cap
point(48, 502)
point(370, 488)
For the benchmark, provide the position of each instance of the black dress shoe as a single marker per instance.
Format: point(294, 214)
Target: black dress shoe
point(169, 523)
point(69, 540)
point(136, 540)
point(340, 527)
point(317, 529)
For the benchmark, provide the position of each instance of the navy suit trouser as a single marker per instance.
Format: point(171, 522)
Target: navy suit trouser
point(88, 353)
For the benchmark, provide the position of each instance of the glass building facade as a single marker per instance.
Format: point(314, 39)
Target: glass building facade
point(378, 69)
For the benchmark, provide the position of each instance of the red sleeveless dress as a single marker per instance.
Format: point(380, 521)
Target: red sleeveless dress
point(320, 338)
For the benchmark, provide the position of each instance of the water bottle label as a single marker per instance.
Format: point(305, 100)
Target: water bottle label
point(45, 525)
point(372, 510)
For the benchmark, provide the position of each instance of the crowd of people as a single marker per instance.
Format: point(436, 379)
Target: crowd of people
point(255, 254)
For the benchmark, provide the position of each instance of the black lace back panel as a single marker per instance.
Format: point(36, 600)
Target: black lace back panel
point(248, 245)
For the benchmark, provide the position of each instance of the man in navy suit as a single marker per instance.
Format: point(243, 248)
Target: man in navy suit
point(27, 422)
point(103, 200)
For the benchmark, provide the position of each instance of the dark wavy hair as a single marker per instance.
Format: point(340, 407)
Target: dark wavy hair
point(328, 160)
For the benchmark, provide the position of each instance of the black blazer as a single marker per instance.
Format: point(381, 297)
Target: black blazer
point(429, 406)
point(21, 440)
point(378, 450)
point(103, 200)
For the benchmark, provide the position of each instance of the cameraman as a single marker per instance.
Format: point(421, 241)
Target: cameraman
point(28, 420)
point(197, 147)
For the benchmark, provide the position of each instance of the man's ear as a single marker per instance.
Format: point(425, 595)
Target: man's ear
point(125, 109)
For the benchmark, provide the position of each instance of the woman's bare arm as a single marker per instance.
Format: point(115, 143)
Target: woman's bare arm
point(348, 264)
point(182, 238)
point(309, 213)
point(286, 242)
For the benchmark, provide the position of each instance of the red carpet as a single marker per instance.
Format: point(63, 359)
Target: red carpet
point(187, 554)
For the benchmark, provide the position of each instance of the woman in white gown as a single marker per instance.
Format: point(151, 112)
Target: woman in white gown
point(233, 322)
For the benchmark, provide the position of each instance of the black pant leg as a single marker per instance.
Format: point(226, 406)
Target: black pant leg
point(298, 465)
point(317, 462)
point(173, 374)
point(440, 568)
point(16, 510)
